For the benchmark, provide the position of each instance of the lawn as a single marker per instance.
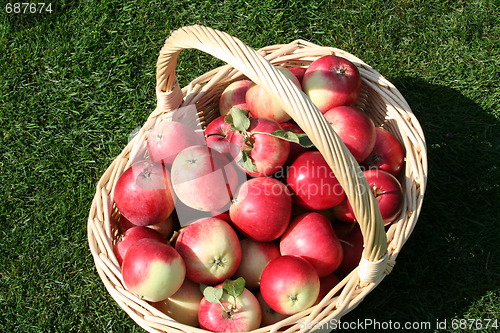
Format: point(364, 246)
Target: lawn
point(75, 82)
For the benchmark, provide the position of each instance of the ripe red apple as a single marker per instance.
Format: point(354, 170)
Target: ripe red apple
point(312, 237)
point(261, 209)
point(255, 257)
point(298, 72)
point(352, 244)
point(131, 236)
point(165, 227)
point(184, 304)
point(312, 182)
point(355, 128)
point(387, 154)
point(269, 316)
point(261, 104)
point(218, 135)
point(343, 212)
point(222, 215)
point(388, 193)
point(268, 153)
point(289, 284)
point(230, 315)
point(211, 250)
point(332, 81)
point(143, 193)
point(326, 284)
point(153, 270)
point(295, 148)
point(168, 138)
point(204, 179)
point(234, 96)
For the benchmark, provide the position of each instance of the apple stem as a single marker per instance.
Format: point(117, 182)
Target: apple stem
point(224, 308)
point(248, 141)
point(376, 192)
point(346, 242)
point(234, 308)
point(173, 238)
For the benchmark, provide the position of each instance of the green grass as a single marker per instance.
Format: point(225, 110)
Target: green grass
point(74, 83)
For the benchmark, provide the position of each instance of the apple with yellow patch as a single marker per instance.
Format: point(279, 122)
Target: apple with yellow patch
point(211, 250)
point(332, 81)
point(262, 104)
point(234, 96)
point(183, 305)
point(153, 270)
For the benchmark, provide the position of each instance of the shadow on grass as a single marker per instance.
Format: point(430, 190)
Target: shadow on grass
point(449, 266)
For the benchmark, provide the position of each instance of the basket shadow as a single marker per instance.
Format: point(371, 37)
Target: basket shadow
point(450, 262)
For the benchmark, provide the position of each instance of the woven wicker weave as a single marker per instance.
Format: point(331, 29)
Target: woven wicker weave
point(379, 98)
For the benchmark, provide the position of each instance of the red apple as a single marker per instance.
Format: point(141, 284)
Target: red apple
point(153, 270)
point(352, 244)
point(289, 284)
point(269, 316)
point(332, 81)
point(298, 72)
point(211, 250)
point(326, 284)
point(255, 257)
point(168, 138)
point(312, 182)
point(218, 135)
point(388, 193)
point(267, 153)
point(131, 236)
point(165, 227)
point(387, 154)
point(355, 128)
point(143, 194)
point(295, 148)
point(343, 212)
point(204, 179)
point(312, 237)
point(184, 304)
point(222, 215)
point(261, 209)
point(239, 314)
point(234, 96)
point(261, 104)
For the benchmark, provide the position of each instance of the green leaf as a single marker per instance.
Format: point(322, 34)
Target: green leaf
point(213, 294)
point(246, 161)
point(299, 138)
point(234, 287)
point(304, 140)
point(238, 119)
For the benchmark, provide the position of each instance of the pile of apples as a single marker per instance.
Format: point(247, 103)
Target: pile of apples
point(244, 223)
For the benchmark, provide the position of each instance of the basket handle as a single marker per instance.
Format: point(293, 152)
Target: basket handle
point(234, 52)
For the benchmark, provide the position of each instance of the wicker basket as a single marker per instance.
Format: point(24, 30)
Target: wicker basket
point(379, 98)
